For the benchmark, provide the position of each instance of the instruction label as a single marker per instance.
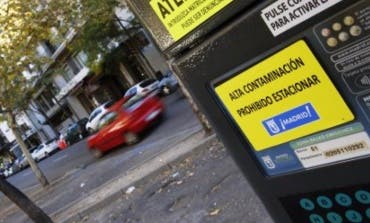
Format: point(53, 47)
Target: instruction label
point(284, 97)
point(182, 16)
point(285, 14)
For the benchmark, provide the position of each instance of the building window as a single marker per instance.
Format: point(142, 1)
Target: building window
point(50, 46)
point(46, 99)
point(81, 58)
point(68, 73)
point(74, 65)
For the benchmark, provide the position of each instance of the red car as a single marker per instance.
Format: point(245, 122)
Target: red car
point(124, 121)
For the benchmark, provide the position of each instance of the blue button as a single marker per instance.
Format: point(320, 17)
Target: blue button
point(343, 199)
point(324, 202)
point(307, 204)
point(315, 218)
point(334, 217)
point(363, 196)
point(368, 213)
point(353, 216)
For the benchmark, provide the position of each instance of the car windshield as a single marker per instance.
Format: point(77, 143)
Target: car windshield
point(131, 91)
point(132, 101)
point(108, 104)
point(95, 113)
point(107, 119)
point(147, 82)
point(50, 141)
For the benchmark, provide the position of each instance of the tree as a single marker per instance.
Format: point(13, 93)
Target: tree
point(20, 199)
point(23, 25)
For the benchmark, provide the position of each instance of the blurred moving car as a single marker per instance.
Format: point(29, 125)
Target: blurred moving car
point(124, 121)
point(143, 88)
point(168, 84)
point(92, 123)
point(74, 133)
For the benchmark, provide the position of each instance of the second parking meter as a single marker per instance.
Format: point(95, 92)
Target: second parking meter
point(286, 86)
point(176, 25)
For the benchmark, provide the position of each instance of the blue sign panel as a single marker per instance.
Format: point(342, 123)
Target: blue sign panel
point(291, 119)
point(279, 160)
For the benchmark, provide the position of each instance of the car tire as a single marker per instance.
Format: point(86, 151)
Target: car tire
point(97, 153)
point(131, 138)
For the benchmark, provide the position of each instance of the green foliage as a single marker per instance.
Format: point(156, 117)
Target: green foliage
point(24, 24)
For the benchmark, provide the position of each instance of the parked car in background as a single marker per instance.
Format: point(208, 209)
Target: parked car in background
point(92, 123)
point(38, 154)
point(143, 88)
point(23, 162)
point(74, 133)
point(168, 84)
point(124, 121)
point(50, 146)
point(44, 150)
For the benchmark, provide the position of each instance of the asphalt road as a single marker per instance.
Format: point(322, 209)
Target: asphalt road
point(178, 123)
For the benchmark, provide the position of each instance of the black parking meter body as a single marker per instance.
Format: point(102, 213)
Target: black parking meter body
point(286, 86)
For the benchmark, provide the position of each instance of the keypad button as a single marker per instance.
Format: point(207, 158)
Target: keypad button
point(363, 197)
point(343, 199)
point(368, 213)
point(315, 218)
point(334, 217)
point(307, 204)
point(324, 202)
point(353, 216)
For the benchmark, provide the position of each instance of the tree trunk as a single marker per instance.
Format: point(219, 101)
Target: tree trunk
point(23, 202)
point(39, 175)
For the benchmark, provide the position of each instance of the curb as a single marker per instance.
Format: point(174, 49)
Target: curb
point(114, 189)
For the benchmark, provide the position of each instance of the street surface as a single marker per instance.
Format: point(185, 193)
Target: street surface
point(179, 121)
point(205, 187)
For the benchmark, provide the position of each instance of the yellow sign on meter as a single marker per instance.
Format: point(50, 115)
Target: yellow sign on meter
point(182, 16)
point(284, 97)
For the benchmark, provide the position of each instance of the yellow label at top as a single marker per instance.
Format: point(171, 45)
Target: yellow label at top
point(284, 97)
point(182, 16)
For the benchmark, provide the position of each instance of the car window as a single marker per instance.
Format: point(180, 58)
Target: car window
point(132, 101)
point(108, 104)
point(146, 82)
point(107, 119)
point(131, 91)
point(95, 113)
point(50, 141)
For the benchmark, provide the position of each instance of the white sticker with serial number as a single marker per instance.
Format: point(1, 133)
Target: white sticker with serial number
point(343, 148)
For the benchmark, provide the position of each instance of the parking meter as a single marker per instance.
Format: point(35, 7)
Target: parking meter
point(286, 86)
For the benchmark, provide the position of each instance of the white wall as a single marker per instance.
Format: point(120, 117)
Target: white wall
point(77, 107)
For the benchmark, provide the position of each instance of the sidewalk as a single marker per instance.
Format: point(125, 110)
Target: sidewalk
point(192, 173)
point(204, 186)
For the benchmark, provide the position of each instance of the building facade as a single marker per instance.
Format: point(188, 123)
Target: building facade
point(71, 90)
